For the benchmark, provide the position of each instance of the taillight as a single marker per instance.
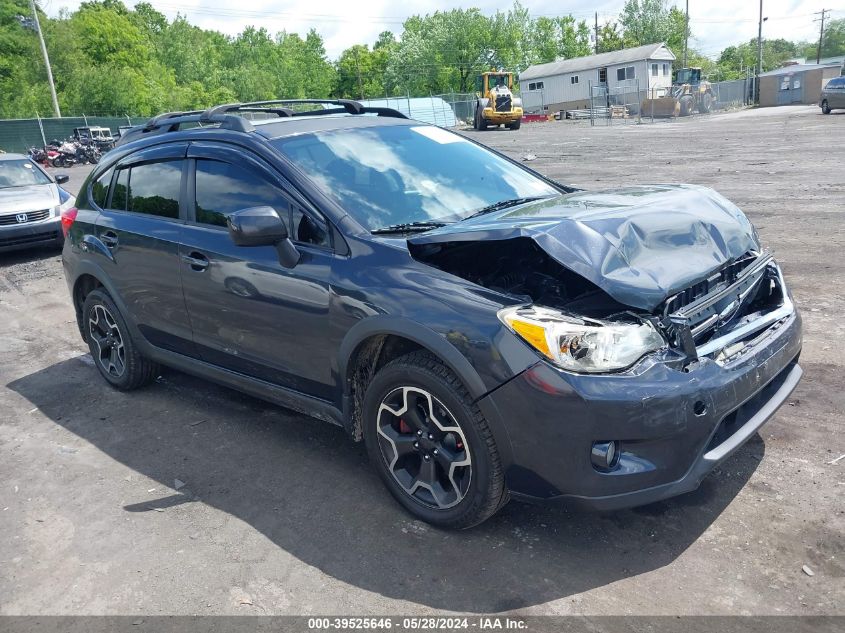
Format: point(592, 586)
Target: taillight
point(68, 217)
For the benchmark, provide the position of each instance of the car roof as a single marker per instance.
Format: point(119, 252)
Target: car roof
point(13, 157)
point(277, 128)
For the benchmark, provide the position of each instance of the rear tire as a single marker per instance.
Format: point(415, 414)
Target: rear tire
point(430, 443)
point(686, 105)
point(114, 352)
point(825, 107)
point(480, 123)
point(515, 125)
point(706, 103)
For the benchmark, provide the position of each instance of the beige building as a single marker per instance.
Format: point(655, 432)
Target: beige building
point(798, 83)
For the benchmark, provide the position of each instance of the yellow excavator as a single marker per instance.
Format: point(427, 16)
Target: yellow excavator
point(495, 104)
point(688, 93)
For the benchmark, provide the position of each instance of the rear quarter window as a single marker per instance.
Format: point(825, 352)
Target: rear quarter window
point(100, 188)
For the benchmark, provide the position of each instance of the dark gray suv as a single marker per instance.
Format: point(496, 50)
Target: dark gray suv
point(487, 332)
point(833, 95)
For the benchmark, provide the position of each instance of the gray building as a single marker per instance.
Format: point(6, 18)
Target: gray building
point(797, 83)
point(565, 84)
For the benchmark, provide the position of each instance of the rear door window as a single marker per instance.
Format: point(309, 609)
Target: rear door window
point(154, 188)
point(148, 188)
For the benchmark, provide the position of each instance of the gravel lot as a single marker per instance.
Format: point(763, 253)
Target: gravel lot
point(280, 514)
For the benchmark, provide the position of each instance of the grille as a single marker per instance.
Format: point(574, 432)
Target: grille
point(31, 216)
point(6, 242)
point(503, 103)
point(724, 277)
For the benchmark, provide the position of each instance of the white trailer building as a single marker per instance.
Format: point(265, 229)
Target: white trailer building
point(565, 84)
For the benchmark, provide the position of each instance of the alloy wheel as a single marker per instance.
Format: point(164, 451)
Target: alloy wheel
point(424, 447)
point(107, 341)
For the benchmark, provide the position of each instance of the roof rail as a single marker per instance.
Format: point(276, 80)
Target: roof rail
point(172, 121)
point(346, 105)
point(226, 115)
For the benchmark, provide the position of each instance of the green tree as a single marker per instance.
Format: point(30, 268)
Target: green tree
point(735, 62)
point(610, 38)
point(651, 22)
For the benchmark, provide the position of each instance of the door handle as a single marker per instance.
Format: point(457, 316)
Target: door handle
point(197, 261)
point(109, 238)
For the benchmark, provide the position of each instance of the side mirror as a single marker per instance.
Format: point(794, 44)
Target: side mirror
point(262, 226)
point(62, 179)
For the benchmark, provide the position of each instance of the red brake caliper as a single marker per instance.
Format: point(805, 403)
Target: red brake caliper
point(403, 426)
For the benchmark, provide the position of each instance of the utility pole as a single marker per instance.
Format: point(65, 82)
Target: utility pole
point(821, 33)
point(759, 55)
point(686, 33)
point(56, 110)
point(597, 32)
point(358, 67)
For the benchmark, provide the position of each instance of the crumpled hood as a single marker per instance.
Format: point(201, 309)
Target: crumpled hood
point(28, 198)
point(640, 244)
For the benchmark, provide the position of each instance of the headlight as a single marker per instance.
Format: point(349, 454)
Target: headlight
point(582, 345)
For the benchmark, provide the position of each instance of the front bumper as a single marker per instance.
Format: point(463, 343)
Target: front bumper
point(44, 233)
point(494, 116)
point(673, 426)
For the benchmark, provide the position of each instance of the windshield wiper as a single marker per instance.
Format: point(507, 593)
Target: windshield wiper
point(503, 204)
point(408, 227)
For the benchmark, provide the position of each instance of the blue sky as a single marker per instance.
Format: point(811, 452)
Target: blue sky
point(714, 23)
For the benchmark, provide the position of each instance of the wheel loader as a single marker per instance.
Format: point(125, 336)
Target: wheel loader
point(689, 93)
point(495, 104)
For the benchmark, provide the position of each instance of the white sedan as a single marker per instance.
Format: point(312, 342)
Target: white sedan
point(31, 204)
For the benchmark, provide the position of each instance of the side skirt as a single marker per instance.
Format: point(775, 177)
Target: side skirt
point(287, 398)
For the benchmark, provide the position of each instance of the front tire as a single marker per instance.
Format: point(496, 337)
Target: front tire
point(825, 107)
point(114, 352)
point(431, 445)
point(515, 125)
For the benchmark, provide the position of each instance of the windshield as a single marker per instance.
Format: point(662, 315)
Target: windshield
point(20, 173)
point(397, 174)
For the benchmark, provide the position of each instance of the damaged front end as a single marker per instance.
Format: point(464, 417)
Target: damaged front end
point(597, 286)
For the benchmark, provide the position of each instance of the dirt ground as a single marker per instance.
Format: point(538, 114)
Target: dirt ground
point(275, 513)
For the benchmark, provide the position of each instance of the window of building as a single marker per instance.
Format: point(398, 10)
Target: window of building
point(538, 85)
point(573, 79)
point(665, 70)
point(654, 70)
point(625, 73)
point(602, 75)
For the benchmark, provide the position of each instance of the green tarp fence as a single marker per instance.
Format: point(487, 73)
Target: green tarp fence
point(18, 135)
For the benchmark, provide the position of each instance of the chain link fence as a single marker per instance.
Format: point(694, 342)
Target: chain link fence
point(733, 94)
point(609, 106)
point(18, 135)
point(446, 110)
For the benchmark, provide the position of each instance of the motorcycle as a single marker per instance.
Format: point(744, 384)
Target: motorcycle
point(43, 155)
point(89, 153)
point(67, 155)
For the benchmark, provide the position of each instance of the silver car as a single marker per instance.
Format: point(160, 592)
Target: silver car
point(31, 204)
point(833, 95)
